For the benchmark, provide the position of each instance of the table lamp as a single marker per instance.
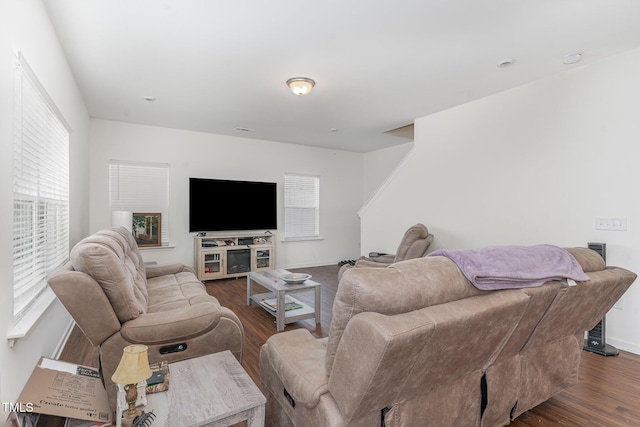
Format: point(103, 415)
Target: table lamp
point(133, 368)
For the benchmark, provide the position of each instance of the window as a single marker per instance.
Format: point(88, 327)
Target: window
point(141, 187)
point(40, 189)
point(301, 206)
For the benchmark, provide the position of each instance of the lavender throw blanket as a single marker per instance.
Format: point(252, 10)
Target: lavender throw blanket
point(503, 267)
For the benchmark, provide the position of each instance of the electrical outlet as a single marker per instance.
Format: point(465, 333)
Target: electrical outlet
point(619, 304)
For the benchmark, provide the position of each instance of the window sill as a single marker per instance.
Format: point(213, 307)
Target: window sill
point(149, 248)
point(301, 239)
point(23, 326)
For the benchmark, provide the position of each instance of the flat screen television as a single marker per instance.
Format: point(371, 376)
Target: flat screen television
point(225, 205)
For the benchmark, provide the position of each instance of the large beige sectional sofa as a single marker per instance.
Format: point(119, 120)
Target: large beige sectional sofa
point(416, 344)
point(117, 300)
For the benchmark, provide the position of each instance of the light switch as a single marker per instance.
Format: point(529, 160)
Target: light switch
point(612, 224)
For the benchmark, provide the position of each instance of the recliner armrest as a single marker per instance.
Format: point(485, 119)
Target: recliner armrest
point(383, 258)
point(87, 303)
point(375, 262)
point(297, 358)
point(165, 269)
point(172, 325)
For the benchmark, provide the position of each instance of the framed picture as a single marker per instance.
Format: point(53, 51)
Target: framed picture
point(146, 229)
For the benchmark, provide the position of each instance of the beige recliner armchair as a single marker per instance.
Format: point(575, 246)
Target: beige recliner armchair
point(116, 300)
point(414, 244)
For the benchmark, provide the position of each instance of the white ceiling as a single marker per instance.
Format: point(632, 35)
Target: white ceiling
point(216, 65)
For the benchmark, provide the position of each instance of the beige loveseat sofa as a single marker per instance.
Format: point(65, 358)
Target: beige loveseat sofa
point(116, 300)
point(416, 344)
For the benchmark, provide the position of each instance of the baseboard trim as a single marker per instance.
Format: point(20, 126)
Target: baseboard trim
point(624, 345)
point(63, 341)
point(315, 264)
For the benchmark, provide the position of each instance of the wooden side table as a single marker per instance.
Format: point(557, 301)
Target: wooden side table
point(280, 291)
point(212, 390)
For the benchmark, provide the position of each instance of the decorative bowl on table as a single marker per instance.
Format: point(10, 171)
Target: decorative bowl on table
point(295, 278)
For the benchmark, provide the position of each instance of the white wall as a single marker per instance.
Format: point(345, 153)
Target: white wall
point(195, 154)
point(379, 165)
point(25, 27)
point(535, 164)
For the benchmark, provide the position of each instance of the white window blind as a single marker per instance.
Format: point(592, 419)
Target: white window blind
point(301, 206)
point(141, 187)
point(40, 189)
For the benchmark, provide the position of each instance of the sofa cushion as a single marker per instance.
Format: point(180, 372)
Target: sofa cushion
point(112, 258)
point(588, 259)
point(178, 307)
point(172, 325)
point(178, 290)
point(405, 286)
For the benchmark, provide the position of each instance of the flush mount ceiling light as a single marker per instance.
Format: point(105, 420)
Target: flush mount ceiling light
point(300, 85)
point(572, 58)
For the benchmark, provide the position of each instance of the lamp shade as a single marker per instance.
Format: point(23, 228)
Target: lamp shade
point(134, 365)
point(300, 85)
point(122, 219)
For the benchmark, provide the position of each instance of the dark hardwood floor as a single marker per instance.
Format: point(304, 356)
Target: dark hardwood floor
point(607, 394)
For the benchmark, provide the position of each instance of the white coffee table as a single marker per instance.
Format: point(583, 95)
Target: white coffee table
point(212, 390)
point(280, 290)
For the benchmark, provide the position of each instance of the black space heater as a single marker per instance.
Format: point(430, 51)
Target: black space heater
point(596, 340)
